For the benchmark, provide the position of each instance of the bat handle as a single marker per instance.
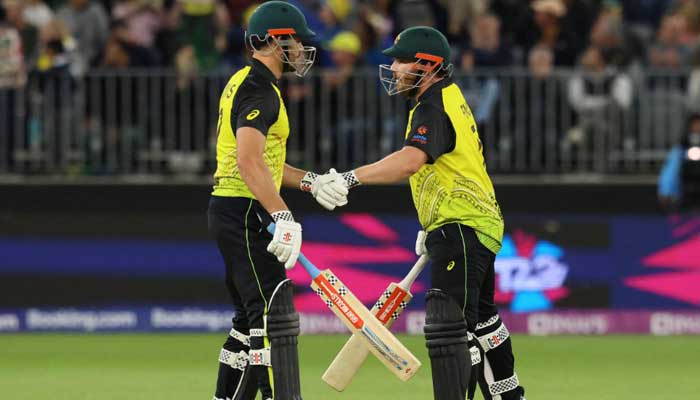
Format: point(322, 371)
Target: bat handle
point(414, 272)
point(308, 265)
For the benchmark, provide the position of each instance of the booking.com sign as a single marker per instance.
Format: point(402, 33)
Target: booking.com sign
point(530, 273)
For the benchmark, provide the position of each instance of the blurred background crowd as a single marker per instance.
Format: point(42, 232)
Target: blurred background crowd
point(208, 34)
point(555, 85)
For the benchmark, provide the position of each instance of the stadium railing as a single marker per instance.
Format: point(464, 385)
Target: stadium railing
point(161, 123)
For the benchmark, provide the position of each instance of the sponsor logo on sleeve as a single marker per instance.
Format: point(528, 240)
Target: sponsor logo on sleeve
point(252, 115)
point(420, 136)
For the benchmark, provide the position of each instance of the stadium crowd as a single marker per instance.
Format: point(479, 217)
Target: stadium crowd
point(601, 44)
point(208, 34)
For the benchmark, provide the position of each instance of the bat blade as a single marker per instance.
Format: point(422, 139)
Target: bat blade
point(388, 308)
point(371, 333)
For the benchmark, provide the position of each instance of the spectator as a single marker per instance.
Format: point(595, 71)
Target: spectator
point(333, 14)
point(643, 16)
point(12, 71)
point(690, 9)
point(486, 51)
point(122, 40)
point(51, 88)
point(11, 79)
point(116, 54)
point(198, 26)
point(598, 93)
point(409, 13)
point(598, 85)
point(669, 50)
point(460, 14)
point(29, 34)
point(670, 189)
point(142, 19)
point(237, 10)
point(541, 63)
point(608, 34)
point(345, 49)
point(186, 66)
point(345, 52)
point(694, 85)
point(168, 39)
point(514, 15)
point(582, 14)
point(56, 49)
point(233, 55)
point(88, 23)
point(486, 46)
point(545, 27)
point(36, 13)
point(542, 122)
point(374, 30)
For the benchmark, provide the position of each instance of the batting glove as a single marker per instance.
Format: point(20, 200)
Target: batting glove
point(329, 189)
point(286, 242)
point(420, 243)
point(350, 179)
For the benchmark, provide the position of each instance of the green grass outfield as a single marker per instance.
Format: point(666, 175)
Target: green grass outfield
point(183, 367)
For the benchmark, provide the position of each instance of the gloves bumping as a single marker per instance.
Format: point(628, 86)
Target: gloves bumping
point(329, 189)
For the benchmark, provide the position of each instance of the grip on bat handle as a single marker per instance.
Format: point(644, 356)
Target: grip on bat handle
point(308, 265)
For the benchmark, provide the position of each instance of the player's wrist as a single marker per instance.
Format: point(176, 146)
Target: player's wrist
point(307, 181)
point(283, 215)
point(350, 179)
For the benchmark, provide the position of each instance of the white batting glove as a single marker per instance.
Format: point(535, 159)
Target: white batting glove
point(328, 189)
point(286, 242)
point(420, 243)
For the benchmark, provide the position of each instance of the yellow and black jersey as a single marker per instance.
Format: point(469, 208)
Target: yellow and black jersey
point(453, 187)
point(251, 98)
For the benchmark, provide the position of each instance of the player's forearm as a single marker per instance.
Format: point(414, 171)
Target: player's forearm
point(258, 178)
point(393, 168)
point(292, 177)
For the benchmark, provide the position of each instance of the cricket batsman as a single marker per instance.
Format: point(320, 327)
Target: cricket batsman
point(260, 353)
point(462, 222)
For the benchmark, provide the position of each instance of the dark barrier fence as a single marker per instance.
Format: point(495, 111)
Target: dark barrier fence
point(154, 122)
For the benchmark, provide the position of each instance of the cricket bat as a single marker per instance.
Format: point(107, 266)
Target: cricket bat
point(375, 336)
point(387, 310)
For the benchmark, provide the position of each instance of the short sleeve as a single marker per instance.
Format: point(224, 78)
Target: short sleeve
point(431, 131)
point(255, 107)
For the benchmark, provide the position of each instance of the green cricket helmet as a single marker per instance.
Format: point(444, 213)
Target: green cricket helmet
point(280, 24)
point(426, 47)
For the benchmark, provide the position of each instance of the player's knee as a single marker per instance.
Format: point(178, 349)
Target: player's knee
point(282, 320)
point(446, 337)
point(444, 323)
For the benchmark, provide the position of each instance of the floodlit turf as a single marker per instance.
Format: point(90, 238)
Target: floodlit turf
point(179, 367)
